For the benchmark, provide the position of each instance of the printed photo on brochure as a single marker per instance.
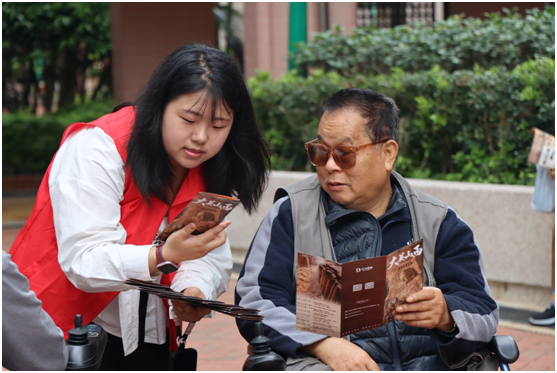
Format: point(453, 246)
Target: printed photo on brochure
point(206, 210)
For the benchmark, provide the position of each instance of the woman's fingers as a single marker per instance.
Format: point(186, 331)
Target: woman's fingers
point(215, 233)
point(187, 312)
point(182, 246)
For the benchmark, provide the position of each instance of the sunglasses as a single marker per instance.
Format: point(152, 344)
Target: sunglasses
point(344, 155)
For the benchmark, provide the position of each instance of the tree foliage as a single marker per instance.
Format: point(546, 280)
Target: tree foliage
point(54, 42)
point(466, 125)
point(468, 91)
point(23, 153)
point(454, 44)
point(228, 20)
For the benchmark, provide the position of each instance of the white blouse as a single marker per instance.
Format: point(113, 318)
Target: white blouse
point(86, 187)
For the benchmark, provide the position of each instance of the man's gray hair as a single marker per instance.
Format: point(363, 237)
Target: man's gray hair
point(379, 110)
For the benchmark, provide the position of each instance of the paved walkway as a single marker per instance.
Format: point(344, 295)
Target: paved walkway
point(221, 347)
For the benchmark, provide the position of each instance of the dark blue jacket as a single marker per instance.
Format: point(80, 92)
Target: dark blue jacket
point(266, 282)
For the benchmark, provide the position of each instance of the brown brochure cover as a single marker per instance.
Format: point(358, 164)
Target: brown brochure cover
point(206, 210)
point(341, 299)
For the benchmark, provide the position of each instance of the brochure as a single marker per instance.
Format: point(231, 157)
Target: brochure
point(206, 210)
point(165, 292)
point(543, 149)
point(340, 299)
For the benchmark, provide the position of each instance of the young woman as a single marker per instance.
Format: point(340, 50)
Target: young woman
point(115, 183)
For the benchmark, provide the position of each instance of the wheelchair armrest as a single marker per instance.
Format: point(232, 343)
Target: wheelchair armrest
point(504, 347)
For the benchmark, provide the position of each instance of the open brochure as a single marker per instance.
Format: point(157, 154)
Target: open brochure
point(340, 299)
point(543, 149)
point(206, 210)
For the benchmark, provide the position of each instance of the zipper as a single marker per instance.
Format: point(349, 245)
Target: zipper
point(394, 345)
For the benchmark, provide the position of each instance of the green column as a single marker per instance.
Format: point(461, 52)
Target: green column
point(297, 29)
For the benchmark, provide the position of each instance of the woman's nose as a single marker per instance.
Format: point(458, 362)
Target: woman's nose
point(199, 134)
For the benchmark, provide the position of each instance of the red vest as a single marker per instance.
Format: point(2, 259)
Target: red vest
point(35, 250)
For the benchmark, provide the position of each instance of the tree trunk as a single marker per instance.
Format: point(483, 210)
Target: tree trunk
point(26, 85)
point(31, 85)
point(81, 70)
point(49, 76)
point(10, 101)
point(104, 78)
point(67, 78)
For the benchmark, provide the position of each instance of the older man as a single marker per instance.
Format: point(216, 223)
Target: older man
point(357, 207)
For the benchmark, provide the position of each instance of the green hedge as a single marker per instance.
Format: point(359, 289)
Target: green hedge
point(453, 44)
point(466, 125)
point(29, 142)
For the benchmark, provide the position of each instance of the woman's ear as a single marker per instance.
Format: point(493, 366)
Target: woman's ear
point(390, 151)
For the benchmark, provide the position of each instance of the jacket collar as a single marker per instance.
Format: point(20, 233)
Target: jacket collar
point(334, 211)
point(397, 202)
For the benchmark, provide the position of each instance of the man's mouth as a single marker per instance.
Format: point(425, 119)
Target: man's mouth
point(335, 185)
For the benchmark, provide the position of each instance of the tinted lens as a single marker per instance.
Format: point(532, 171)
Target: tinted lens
point(317, 155)
point(345, 156)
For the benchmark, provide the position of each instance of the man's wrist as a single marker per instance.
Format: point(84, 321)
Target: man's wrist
point(446, 336)
point(447, 323)
point(447, 330)
point(316, 346)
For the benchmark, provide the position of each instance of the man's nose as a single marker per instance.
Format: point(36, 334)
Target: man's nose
point(331, 165)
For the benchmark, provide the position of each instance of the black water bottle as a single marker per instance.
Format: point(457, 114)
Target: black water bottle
point(262, 357)
point(85, 346)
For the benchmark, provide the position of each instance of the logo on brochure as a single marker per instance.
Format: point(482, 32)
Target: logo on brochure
point(363, 269)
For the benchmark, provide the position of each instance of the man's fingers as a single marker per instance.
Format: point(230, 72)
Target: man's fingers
point(426, 293)
point(417, 319)
point(412, 316)
point(416, 307)
point(417, 324)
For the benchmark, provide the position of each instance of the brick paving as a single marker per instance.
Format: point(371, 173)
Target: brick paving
point(537, 352)
point(221, 347)
point(8, 237)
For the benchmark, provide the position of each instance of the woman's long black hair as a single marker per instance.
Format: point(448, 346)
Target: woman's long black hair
point(240, 168)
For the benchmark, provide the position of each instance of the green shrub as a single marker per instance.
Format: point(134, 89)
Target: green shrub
point(466, 125)
point(453, 44)
point(288, 108)
point(29, 142)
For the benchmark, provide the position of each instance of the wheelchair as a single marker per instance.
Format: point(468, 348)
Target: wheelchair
point(502, 347)
point(505, 350)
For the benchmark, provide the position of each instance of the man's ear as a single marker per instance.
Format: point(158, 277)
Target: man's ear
point(390, 151)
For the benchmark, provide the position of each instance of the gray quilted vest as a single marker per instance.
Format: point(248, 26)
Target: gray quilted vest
point(312, 236)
